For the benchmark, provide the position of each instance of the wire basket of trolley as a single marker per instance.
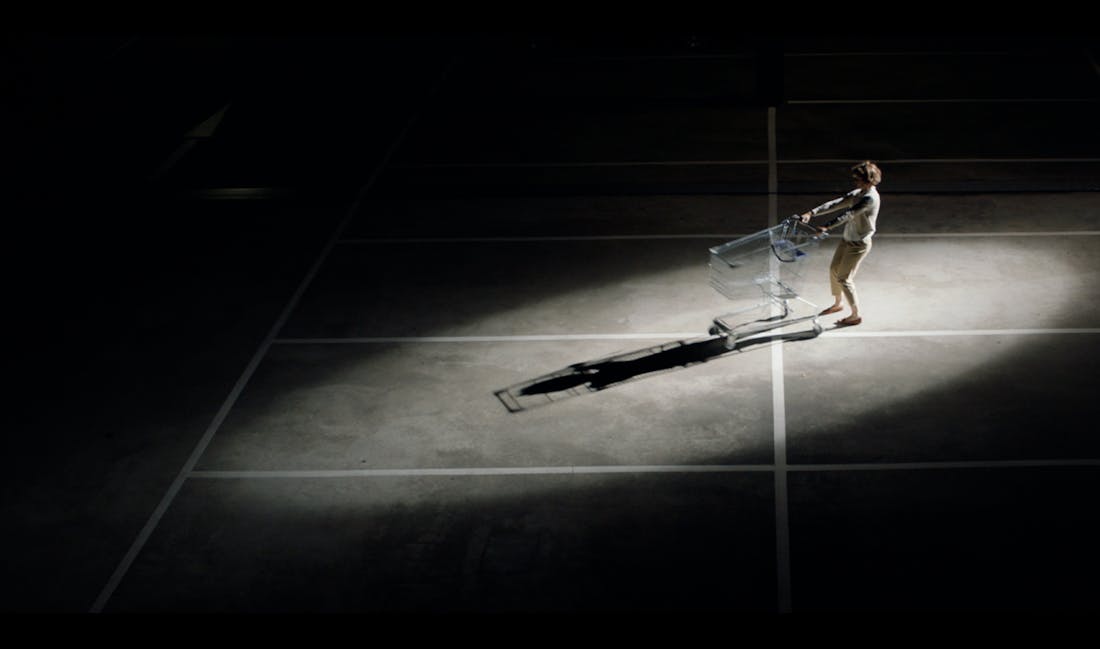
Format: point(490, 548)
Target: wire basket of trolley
point(762, 275)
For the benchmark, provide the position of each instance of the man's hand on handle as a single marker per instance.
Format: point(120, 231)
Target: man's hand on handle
point(805, 218)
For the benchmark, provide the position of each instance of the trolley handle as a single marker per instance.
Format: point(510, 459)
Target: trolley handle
point(817, 234)
point(790, 252)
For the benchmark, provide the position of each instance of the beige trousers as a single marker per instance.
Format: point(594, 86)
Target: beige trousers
point(843, 269)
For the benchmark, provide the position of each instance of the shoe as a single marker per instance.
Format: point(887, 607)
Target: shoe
point(849, 322)
point(832, 309)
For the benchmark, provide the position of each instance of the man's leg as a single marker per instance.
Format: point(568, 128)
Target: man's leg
point(846, 268)
point(834, 278)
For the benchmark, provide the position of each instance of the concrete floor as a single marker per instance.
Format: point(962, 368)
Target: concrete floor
point(266, 424)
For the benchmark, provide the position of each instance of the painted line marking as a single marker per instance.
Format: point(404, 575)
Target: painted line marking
point(779, 406)
point(936, 333)
point(542, 165)
point(720, 163)
point(903, 53)
point(644, 468)
point(480, 471)
point(645, 57)
point(610, 237)
point(488, 339)
point(204, 130)
point(947, 235)
point(972, 100)
point(648, 57)
point(719, 235)
point(908, 161)
point(174, 158)
point(965, 464)
point(913, 333)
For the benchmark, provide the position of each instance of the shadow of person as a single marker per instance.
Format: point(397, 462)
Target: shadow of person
point(602, 373)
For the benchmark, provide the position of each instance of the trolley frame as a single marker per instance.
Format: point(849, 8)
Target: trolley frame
point(763, 271)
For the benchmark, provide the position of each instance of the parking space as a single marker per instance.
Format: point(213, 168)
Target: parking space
point(564, 216)
point(994, 75)
point(503, 288)
point(947, 540)
point(949, 398)
point(625, 543)
point(409, 406)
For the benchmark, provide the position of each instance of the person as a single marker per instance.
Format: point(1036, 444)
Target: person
point(860, 211)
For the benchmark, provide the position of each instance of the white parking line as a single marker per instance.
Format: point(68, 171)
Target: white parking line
point(646, 57)
point(610, 237)
point(719, 163)
point(900, 53)
point(779, 405)
point(369, 340)
point(636, 469)
point(173, 159)
point(681, 335)
point(985, 235)
point(938, 160)
point(744, 55)
point(782, 517)
point(481, 471)
point(203, 131)
point(570, 165)
point(925, 466)
point(936, 333)
point(716, 235)
point(960, 100)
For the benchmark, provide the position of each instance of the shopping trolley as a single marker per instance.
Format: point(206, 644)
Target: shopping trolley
point(763, 273)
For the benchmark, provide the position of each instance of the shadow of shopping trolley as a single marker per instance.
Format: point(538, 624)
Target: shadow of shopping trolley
point(759, 272)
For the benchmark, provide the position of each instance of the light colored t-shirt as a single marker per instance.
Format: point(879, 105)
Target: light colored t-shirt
point(859, 219)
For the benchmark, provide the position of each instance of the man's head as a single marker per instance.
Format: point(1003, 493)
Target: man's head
point(866, 174)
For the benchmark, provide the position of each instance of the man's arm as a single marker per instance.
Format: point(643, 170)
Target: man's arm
point(860, 209)
point(840, 203)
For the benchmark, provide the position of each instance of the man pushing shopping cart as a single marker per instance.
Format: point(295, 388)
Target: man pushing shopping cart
point(860, 207)
point(765, 270)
